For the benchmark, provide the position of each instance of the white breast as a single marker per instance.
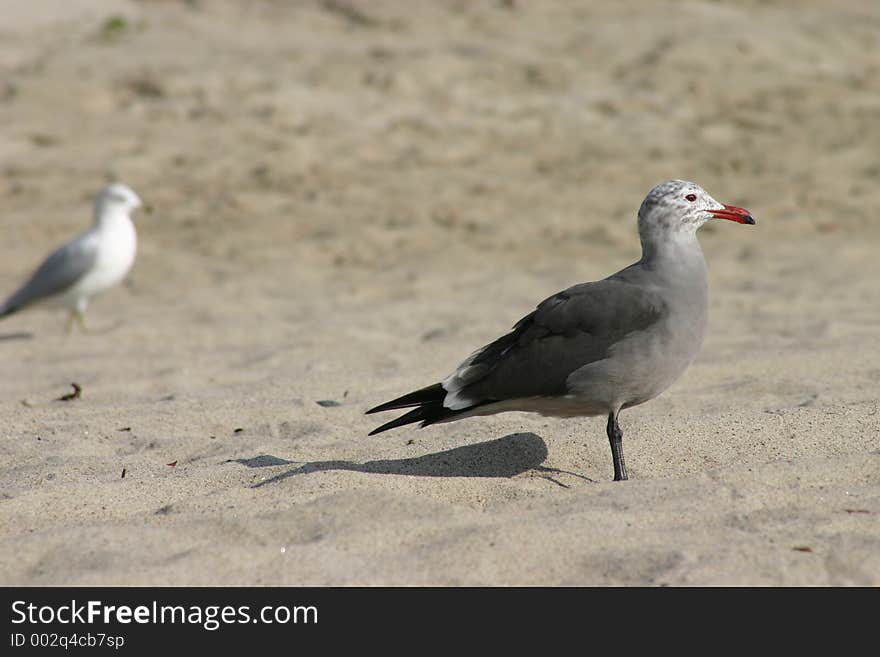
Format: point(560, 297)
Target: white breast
point(117, 247)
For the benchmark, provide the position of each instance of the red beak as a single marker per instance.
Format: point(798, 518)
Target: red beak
point(733, 213)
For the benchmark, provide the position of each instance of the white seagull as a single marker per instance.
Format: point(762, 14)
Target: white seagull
point(88, 264)
point(600, 347)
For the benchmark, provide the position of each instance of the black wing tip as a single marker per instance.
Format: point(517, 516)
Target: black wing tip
point(428, 395)
point(415, 415)
point(429, 409)
point(427, 413)
point(378, 409)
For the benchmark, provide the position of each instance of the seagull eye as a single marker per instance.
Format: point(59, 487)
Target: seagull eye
point(691, 197)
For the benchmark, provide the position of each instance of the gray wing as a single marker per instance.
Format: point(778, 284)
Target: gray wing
point(571, 329)
point(64, 267)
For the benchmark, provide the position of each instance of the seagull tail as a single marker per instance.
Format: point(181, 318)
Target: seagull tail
point(18, 300)
point(8, 308)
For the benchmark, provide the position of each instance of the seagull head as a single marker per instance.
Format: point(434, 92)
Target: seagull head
point(680, 206)
point(116, 198)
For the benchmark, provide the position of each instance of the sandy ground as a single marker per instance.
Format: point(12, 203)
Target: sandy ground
point(351, 197)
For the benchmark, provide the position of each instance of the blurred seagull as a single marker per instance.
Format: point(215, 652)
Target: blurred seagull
point(88, 264)
point(595, 348)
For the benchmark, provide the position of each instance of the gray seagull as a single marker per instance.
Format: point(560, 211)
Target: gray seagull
point(88, 264)
point(595, 348)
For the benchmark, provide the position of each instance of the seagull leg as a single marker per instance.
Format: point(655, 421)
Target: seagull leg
point(76, 318)
point(615, 436)
point(78, 314)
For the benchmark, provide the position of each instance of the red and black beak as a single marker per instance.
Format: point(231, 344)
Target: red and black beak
point(733, 213)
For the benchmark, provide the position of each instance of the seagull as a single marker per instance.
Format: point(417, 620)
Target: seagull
point(88, 264)
point(600, 347)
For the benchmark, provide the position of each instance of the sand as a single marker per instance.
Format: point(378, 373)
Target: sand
point(349, 198)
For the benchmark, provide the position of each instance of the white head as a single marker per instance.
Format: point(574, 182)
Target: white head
point(679, 207)
point(116, 198)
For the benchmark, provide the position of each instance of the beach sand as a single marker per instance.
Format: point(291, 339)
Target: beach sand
point(350, 197)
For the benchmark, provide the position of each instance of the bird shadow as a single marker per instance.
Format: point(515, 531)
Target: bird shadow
point(102, 330)
point(18, 335)
point(504, 457)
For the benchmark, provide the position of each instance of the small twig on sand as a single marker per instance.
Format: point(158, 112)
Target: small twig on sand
point(76, 394)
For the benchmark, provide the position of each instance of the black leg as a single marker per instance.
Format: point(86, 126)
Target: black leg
point(615, 435)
